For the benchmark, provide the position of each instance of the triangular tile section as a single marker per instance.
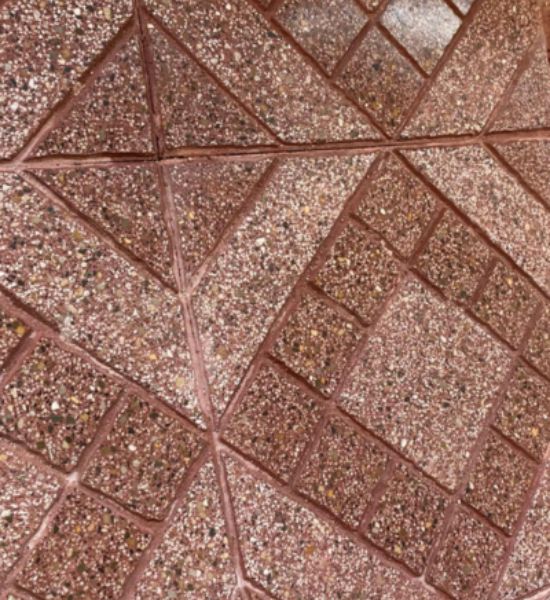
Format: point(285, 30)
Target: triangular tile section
point(531, 160)
point(112, 116)
point(125, 201)
point(193, 559)
point(528, 107)
point(207, 196)
point(195, 110)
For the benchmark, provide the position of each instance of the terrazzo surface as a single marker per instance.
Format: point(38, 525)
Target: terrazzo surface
point(274, 300)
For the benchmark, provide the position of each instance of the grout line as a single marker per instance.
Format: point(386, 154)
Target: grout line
point(130, 584)
point(477, 449)
point(45, 329)
point(377, 494)
point(91, 226)
point(293, 297)
point(232, 153)
point(401, 49)
point(23, 349)
point(510, 545)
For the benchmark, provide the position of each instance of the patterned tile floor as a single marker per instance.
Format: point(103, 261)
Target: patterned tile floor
point(274, 299)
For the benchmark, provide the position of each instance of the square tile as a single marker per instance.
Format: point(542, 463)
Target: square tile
point(408, 519)
point(360, 272)
point(467, 562)
point(11, 332)
point(425, 381)
point(454, 259)
point(87, 552)
point(25, 496)
point(538, 346)
point(423, 27)
point(507, 303)
point(144, 459)
point(499, 482)
point(398, 205)
point(381, 80)
point(325, 28)
point(343, 471)
point(524, 415)
point(316, 342)
point(55, 403)
point(273, 422)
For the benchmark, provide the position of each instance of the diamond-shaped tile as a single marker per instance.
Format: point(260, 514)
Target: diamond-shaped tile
point(408, 519)
point(274, 421)
point(316, 342)
point(193, 560)
point(123, 200)
point(454, 259)
point(144, 459)
point(426, 380)
point(381, 79)
point(524, 415)
point(112, 117)
point(507, 303)
point(25, 496)
point(467, 562)
point(424, 27)
point(342, 471)
point(207, 196)
point(55, 403)
point(499, 482)
point(87, 552)
point(398, 205)
point(11, 332)
point(325, 28)
point(360, 272)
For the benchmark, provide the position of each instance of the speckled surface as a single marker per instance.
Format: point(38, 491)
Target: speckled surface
point(274, 300)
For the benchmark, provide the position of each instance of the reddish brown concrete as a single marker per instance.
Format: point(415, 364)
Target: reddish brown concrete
point(274, 300)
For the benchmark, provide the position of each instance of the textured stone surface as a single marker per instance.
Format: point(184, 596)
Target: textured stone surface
point(274, 315)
